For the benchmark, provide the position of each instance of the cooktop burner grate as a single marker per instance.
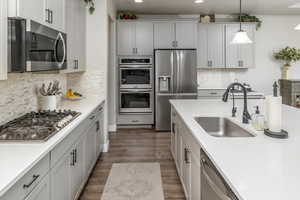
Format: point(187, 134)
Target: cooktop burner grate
point(36, 126)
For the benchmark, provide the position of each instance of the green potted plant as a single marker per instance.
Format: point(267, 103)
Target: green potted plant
point(288, 55)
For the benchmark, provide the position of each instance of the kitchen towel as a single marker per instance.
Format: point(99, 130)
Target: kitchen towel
point(274, 113)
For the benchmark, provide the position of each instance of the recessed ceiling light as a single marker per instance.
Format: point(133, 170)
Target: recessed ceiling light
point(199, 1)
point(297, 5)
point(138, 1)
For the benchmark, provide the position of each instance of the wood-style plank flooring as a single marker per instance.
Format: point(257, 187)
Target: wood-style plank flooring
point(136, 145)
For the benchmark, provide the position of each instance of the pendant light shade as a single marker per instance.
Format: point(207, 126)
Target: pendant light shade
point(297, 28)
point(241, 37)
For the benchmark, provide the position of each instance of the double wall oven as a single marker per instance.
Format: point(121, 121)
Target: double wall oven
point(136, 94)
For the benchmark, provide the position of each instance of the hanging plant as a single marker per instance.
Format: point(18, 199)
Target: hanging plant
point(91, 5)
point(249, 18)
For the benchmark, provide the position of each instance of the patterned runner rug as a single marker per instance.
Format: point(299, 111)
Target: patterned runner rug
point(134, 181)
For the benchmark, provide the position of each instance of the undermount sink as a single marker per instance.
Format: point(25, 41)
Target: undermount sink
point(222, 127)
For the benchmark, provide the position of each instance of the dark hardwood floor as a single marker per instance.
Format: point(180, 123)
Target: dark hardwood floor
point(136, 145)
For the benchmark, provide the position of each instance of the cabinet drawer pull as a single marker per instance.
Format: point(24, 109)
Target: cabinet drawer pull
point(98, 126)
point(75, 156)
point(92, 117)
point(213, 93)
point(135, 121)
point(34, 178)
point(186, 155)
point(47, 16)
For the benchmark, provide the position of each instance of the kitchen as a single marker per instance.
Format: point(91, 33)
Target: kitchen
point(123, 99)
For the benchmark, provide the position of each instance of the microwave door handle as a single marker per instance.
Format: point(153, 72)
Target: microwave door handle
point(60, 37)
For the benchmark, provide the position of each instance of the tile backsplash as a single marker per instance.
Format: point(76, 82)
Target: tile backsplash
point(18, 94)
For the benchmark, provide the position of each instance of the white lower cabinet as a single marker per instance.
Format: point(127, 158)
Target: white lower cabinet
point(60, 179)
point(90, 148)
point(77, 168)
point(42, 191)
point(187, 159)
point(62, 174)
point(195, 189)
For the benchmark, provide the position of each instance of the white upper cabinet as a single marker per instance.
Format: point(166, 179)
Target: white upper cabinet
point(240, 56)
point(211, 46)
point(47, 12)
point(216, 51)
point(56, 10)
point(126, 38)
point(164, 35)
point(135, 38)
point(76, 40)
point(186, 35)
point(29, 9)
point(144, 38)
point(170, 35)
point(3, 40)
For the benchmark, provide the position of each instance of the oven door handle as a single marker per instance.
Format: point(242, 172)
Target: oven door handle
point(135, 91)
point(135, 66)
point(60, 37)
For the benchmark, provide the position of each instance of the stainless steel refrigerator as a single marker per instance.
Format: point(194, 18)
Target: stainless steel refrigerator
point(175, 78)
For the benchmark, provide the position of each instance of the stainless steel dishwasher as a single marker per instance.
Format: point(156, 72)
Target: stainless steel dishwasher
point(213, 186)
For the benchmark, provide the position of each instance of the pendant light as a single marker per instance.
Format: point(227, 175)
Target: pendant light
point(241, 37)
point(297, 28)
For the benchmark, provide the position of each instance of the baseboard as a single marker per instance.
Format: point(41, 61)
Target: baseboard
point(112, 128)
point(106, 147)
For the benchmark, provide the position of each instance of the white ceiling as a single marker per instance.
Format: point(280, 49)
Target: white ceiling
point(210, 6)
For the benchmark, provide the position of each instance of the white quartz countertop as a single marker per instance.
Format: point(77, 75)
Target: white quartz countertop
point(16, 159)
point(256, 168)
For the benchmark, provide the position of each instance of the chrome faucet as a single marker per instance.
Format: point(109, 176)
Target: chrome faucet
point(246, 115)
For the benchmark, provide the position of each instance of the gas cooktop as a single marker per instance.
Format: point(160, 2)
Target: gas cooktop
point(36, 126)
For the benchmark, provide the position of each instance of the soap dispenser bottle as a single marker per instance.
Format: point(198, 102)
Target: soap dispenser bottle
point(258, 120)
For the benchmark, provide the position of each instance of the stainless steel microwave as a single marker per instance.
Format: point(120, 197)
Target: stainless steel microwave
point(33, 47)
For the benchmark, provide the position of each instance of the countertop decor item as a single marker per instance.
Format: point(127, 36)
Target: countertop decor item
point(91, 5)
point(73, 96)
point(49, 95)
point(288, 55)
point(274, 115)
point(241, 37)
point(125, 15)
point(207, 18)
point(249, 18)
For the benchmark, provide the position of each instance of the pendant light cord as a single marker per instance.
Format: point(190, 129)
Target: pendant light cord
point(240, 15)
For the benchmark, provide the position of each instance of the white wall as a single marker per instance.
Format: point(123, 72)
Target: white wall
point(276, 32)
point(94, 81)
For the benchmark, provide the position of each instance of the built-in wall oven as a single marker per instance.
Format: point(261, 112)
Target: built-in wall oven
point(136, 92)
point(136, 73)
point(136, 101)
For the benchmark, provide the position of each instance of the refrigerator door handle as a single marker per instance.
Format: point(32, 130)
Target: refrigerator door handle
point(178, 71)
point(172, 72)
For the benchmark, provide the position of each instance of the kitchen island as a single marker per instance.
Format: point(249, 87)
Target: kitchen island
point(255, 168)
